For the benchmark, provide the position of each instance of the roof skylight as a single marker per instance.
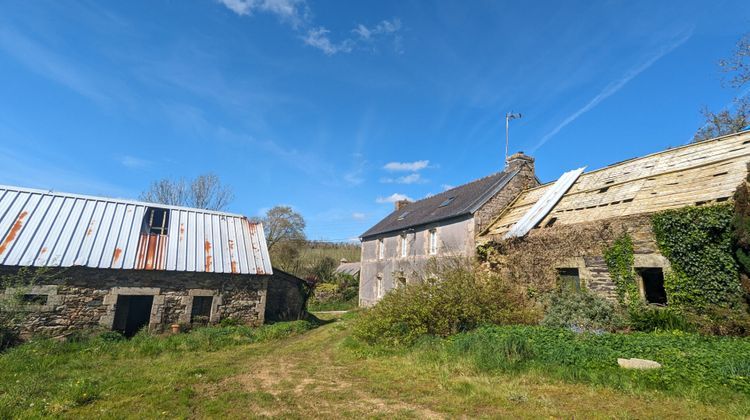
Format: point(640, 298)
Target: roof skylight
point(403, 215)
point(447, 201)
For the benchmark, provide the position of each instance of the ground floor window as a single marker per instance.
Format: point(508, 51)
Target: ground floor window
point(569, 279)
point(201, 312)
point(652, 279)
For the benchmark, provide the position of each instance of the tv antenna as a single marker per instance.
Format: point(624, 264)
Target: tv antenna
point(509, 116)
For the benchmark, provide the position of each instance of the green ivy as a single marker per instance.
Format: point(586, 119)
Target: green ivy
point(698, 243)
point(620, 261)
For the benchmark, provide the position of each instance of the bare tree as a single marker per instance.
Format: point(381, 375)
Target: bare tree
point(739, 63)
point(282, 224)
point(737, 118)
point(724, 122)
point(205, 192)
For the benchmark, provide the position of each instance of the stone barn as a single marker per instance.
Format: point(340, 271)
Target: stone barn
point(125, 265)
point(557, 233)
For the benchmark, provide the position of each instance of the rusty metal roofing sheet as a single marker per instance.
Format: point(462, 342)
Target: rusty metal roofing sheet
point(540, 209)
point(49, 229)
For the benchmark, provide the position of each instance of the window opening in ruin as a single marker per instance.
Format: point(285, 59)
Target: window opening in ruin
point(400, 280)
point(433, 242)
point(379, 285)
point(34, 299)
point(653, 285)
point(569, 279)
point(404, 246)
point(156, 221)
point(132, 313)
point(201, 312)
point(381, 249)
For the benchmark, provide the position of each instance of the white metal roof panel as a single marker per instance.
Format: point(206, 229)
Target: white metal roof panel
point(44, 228)
point(541, 208)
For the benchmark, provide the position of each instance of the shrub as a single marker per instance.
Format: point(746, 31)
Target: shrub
point(491, 352)
point(583, 310)
point(457, 299)
point(647, 318)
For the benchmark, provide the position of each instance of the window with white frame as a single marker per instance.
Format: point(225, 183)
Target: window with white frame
point(404, 246)
point(433, 242)
point(381, 249)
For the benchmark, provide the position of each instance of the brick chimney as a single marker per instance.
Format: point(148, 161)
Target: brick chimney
point(401, 204)
point(518, 160)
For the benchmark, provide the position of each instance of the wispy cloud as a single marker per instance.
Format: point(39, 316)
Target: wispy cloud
point(358, 216)
point(406, 166)
point(447, 187)
point(133, 162)
point(318, 38)
point(616, 85)
point(297, 14)
point(414, 178)
point(293, 12)
point(392, 198)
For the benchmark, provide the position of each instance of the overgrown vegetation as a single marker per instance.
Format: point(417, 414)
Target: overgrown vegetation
point(700, 366)
point(453, 299)
point(698, 243)
point(620, 261)
point(582, 311)
point(338, 291)
point(46, 377)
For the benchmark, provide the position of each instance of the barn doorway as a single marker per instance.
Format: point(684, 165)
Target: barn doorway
point(132, 313)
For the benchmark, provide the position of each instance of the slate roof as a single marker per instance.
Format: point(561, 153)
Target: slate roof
point(351, 268)
point(467, 199)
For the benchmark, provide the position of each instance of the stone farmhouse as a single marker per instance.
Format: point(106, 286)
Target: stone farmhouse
point(556, 232)
point(396, 250)
point(124, 265)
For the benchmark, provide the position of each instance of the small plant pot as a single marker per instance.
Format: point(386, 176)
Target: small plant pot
point(175, 328)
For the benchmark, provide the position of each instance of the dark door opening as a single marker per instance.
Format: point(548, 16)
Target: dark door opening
point(653, 285)
point(132, 313)
point(201, 312)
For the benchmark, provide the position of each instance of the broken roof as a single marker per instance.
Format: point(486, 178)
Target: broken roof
point(459, 201)
point(50, 229)
point(696, 174)
point(350, 268)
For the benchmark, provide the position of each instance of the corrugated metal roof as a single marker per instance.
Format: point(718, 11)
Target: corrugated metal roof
point(50, 229)
point(541, 208)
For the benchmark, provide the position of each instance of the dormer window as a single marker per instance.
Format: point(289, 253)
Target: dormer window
point(447, 201)
point(156, 221)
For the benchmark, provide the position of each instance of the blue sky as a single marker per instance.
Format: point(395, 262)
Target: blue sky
point(336, 108)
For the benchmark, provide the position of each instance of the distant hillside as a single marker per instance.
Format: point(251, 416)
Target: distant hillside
point(313, 250)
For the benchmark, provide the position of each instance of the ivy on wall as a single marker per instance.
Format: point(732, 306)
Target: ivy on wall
point(620, 260)
point(698, 242)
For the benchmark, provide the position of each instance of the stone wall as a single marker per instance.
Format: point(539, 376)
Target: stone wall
point(534, 259)
point(85, 298)
point(524, 180)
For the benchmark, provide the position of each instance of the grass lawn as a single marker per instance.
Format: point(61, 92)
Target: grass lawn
point(288, 370)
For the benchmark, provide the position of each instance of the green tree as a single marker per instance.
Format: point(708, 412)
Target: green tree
point(282, 224)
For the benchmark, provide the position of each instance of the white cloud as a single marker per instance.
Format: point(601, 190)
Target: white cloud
point(406, 166)
point(133, 162)
point(383, 28)
point(414, 178)
point(294, 12)
point(615, 86)
point(447, 187)
point(393, 198)
point(318, 38)
point(358, 216)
